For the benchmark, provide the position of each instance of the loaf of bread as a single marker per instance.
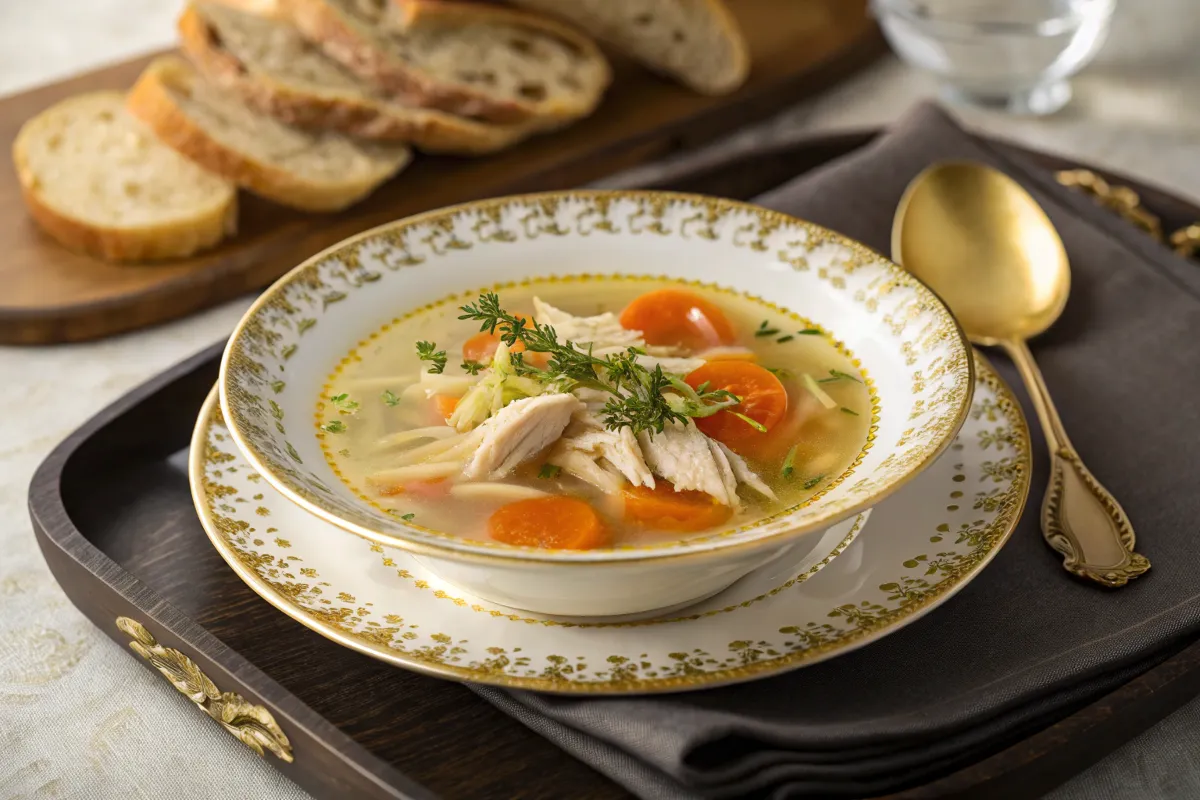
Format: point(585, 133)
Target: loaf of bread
point(312, 171)
point(273, 69)
point(480, 61)
point(99, 182)
point(697, 42)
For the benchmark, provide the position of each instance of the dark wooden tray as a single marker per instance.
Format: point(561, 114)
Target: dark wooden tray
point(115, 522)
point(52, 295)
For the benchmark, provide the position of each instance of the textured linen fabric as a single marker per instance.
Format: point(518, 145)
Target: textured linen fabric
point(1023, 643)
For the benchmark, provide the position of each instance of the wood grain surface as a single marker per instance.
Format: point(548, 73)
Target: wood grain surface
point(115, 521)
point(52, 295)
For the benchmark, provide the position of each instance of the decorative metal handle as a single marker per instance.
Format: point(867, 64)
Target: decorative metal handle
point(1080, 519)
point(252, 725)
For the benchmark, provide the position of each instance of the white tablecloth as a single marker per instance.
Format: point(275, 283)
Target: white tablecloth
point(80, 718)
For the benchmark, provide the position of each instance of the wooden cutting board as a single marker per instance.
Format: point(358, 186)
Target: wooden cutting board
point(48, 294)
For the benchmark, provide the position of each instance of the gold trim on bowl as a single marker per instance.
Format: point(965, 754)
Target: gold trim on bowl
point(442, 239)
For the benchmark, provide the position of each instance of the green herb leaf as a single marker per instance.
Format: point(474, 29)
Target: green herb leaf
point(344, 452)
point(812, 482)
point(780, 372)
point(753, 423)
point(472, 367)
point(809, 332)
point(766, 331)
point(783, 339)
point(408, 517)
point(334, 426)
point(426, 351)
point(789, 461)
point(835, 375)
point(549, 471)
point(343, 403)
point(390, 397)
point(849, 411)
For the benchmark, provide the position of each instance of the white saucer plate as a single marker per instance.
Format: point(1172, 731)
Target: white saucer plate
point(923, 545)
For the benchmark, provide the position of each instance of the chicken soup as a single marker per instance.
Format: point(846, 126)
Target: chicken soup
point(594, 412)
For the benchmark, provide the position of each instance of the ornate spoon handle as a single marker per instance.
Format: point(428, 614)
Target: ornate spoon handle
point(1080, 519)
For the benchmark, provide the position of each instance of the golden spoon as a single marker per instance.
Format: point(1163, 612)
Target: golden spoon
point(981, 242)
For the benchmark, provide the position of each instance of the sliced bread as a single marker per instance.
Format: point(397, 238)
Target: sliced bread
point(480, 61)
point(276, 71)
point(312, 171)
point(697, 42)
point(99, 182)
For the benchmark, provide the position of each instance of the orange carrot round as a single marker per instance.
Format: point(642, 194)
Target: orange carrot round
point(764, 400)
point(664, 509)
point(678, 318)
point(560, 523)
point(482, 347)
point(445, 405)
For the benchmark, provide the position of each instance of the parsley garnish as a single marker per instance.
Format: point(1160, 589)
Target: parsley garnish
point(809, 332)
point(334, 426)
point(437, 359)
point(408, 517)
point(642, 399)
point(472, 367)
point(780, 372)
point(783, 339)
point(549, 471)
point(390, 397)
point(811, 482)
point(343, 403)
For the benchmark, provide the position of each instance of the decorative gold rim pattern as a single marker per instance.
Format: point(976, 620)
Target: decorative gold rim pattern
point(256, 340)
point(926, 580)
point(331, 383)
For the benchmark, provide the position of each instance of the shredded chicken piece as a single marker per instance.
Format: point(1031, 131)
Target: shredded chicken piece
point(601, 331)
point(682, 455)
point(618, 448)
point(582, 466)
point(745, 475)
point(519, 431)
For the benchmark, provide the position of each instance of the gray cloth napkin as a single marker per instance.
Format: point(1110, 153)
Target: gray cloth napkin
point(1024, 643)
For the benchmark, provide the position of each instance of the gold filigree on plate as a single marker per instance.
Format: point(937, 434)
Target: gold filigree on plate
point(252, 724)
point(940, 533)
point(261, 364)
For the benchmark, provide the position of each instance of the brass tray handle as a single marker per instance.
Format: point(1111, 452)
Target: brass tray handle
point(253, 725)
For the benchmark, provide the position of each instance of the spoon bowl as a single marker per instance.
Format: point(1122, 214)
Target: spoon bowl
point(978, 238)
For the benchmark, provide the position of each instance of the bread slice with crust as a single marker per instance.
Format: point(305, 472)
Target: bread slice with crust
point(99, 182)
point(273, 69)
point(697, 42)
point(312, 171)
point(480, 61)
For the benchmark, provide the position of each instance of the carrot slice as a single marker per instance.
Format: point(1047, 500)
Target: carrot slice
point(676, 317)
point(482, 347)
point(764, 400)
point(561, 523)
point(445, 405)
point(664, 509)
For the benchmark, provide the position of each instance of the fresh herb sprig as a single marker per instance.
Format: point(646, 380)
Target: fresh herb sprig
point(642, 399)
point(472, 367)
point(427, 351)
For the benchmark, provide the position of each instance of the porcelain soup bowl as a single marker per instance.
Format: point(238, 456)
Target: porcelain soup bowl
point(911, 351)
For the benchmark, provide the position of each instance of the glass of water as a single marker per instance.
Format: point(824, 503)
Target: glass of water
point(1015, 55)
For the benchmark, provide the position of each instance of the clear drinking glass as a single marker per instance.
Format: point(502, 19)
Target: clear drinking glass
point(1014, 55)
